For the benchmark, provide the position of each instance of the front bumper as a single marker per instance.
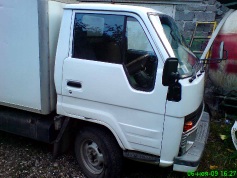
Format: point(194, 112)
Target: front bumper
point(191, 159)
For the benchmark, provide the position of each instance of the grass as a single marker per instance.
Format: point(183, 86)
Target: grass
point(220, 153)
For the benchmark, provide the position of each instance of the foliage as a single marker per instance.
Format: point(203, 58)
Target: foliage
point(220, 153)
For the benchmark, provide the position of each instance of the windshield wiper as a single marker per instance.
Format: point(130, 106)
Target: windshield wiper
point(196, 66)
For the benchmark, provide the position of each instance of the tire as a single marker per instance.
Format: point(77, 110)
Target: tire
point(98, 153)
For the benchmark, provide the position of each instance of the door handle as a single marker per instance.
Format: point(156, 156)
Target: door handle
point(74, 84)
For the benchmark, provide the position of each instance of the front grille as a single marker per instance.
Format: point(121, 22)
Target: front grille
point(194, 116)
point(183, 141)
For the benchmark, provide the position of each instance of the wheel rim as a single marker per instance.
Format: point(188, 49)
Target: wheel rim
point(92, 157)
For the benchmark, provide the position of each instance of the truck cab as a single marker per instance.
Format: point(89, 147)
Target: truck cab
point(127, 70)
point(113, 80)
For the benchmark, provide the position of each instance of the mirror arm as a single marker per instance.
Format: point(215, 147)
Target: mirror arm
point(223, 56)
point(176, 75)
point(226, 54)
point(212, 61)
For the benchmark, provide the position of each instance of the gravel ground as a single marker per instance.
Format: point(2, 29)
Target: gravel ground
point(24, 158)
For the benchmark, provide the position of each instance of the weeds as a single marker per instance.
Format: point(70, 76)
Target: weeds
point(220, 153)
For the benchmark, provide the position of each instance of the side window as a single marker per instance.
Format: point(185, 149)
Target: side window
point(98, 37)
point(140, 59)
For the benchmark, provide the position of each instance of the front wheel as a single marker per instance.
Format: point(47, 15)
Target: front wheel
point(98, 153)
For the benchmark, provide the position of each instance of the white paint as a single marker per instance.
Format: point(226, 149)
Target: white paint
point(106, 96)
point(233, 134)
point(20, 63)
point(135, 117)
point(166, 9)
point(55, 17)
point(19, 54)
point(230, 25)
point(192, 97)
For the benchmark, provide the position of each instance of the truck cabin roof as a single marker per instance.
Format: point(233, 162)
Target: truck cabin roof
point(111, 7)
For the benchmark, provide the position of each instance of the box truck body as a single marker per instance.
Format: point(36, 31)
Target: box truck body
point(28, 41)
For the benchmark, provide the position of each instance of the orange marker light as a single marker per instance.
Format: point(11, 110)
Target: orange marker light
point(188, 125)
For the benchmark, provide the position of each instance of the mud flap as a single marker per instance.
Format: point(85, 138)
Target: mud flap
point(62, 142)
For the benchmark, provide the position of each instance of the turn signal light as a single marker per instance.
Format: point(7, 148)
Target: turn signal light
point(188, 125)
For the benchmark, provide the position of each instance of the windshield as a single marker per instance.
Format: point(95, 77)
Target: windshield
point(187, 60)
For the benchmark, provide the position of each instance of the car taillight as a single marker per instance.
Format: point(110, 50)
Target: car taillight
point(187, 126)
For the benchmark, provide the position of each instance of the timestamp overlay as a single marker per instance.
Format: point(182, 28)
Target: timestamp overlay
point(214, 173)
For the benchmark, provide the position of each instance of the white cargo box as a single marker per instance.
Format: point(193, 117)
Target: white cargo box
point(28, 38)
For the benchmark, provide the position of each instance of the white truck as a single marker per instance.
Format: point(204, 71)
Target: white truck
point(114, 80)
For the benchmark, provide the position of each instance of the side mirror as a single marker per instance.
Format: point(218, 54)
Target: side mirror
point(221, 50)
point(170, 74)
point(223, 55)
